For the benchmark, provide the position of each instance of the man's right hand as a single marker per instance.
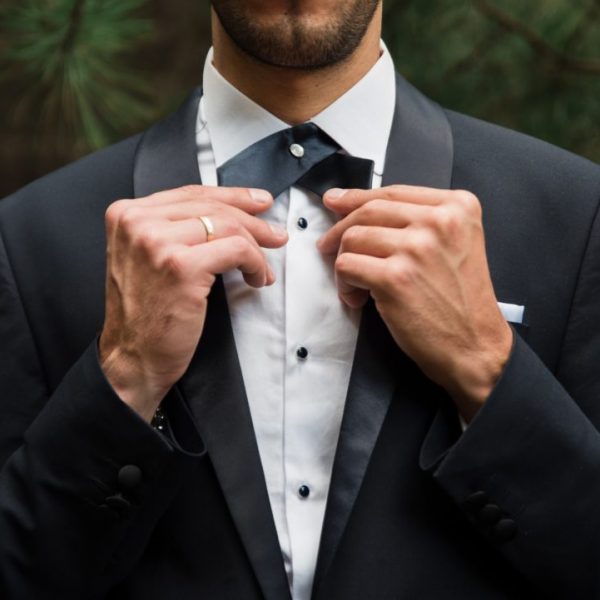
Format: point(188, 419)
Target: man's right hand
point(160, 270)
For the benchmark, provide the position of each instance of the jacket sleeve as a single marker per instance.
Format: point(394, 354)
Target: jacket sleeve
point(75, 467)
point(527, 469)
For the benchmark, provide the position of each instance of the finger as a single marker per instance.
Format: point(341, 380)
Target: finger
point(227, 219)
point(379, 242)
point(351, 296)
point(357, 274)
point(345, 201)
point(188, 232)
point(157, 238)
point(223, 255)
point(250, 200)
point(224, 219)
point(381, 213)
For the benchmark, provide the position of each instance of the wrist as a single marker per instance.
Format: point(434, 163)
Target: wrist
point(476, 374)
point(129, 381)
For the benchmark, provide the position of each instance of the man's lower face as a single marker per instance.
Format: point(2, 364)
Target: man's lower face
point(299, 34)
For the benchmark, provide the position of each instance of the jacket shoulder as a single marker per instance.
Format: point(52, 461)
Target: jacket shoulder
point(516, 160)
point(87, 185)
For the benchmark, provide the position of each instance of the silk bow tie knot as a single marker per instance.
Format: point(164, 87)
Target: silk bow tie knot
point(303, 155)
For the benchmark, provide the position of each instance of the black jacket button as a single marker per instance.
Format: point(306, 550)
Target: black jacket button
point(129, 478)
point(118, 504)
point(504, 530)
point(490, 514)
point(476, 501)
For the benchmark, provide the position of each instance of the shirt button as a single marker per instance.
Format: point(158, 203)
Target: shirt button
point(297, 150)
point(302, 223)
point(301, 352)
point(304, 491)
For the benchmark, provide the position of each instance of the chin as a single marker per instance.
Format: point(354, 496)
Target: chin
point(298, 34)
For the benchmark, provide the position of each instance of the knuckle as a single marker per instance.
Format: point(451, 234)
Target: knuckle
point(446, 219)
point(129, 218)
point(371, 209)
point(175, 263)
point(267, 231)
point(197, 293)
point(232, 197)
point(341, 263)
point(422, 243)
point(146, 239)
point(192, 190)
point(233, 228)
point(399, 274)
point(240, 193)
point(113, 213)
point(239, 244)
point(468, 202)
point(352, 235)
point(394, 190)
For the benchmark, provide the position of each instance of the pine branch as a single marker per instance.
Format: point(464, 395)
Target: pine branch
point(70, 58)
point(537, 43)
point(74, 25)
point(588, 19)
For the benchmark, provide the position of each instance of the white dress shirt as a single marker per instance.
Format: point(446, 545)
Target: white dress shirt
point(296, 403)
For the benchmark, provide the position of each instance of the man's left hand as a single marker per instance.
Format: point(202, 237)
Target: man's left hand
point(420, 254)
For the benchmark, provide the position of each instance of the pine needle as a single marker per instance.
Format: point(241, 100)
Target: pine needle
point(71, 58)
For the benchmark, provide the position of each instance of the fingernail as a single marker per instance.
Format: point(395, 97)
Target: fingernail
point(335, 193)
point(278, 230)
point(261, 196)
point(270, 276)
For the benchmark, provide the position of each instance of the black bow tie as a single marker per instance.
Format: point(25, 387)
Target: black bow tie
point(304, 156)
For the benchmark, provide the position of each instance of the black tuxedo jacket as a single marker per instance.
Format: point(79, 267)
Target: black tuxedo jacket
point(508, 509)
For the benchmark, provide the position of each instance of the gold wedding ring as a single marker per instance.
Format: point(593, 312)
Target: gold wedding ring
point(209, 227)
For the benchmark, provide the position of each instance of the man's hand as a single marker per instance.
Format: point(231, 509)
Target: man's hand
point(160, 270)
point(420, 254)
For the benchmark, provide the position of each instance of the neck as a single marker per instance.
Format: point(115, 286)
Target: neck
point(293, 95)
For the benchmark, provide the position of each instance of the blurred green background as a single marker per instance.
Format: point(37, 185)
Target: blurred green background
point(76, 75)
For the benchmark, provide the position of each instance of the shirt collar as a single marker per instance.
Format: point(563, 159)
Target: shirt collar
point(359, 121)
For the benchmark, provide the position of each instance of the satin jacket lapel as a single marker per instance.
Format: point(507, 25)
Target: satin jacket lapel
point(420, 152)
point(213, 386)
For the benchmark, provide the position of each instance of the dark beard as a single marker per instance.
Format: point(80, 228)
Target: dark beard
point(290, 42)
